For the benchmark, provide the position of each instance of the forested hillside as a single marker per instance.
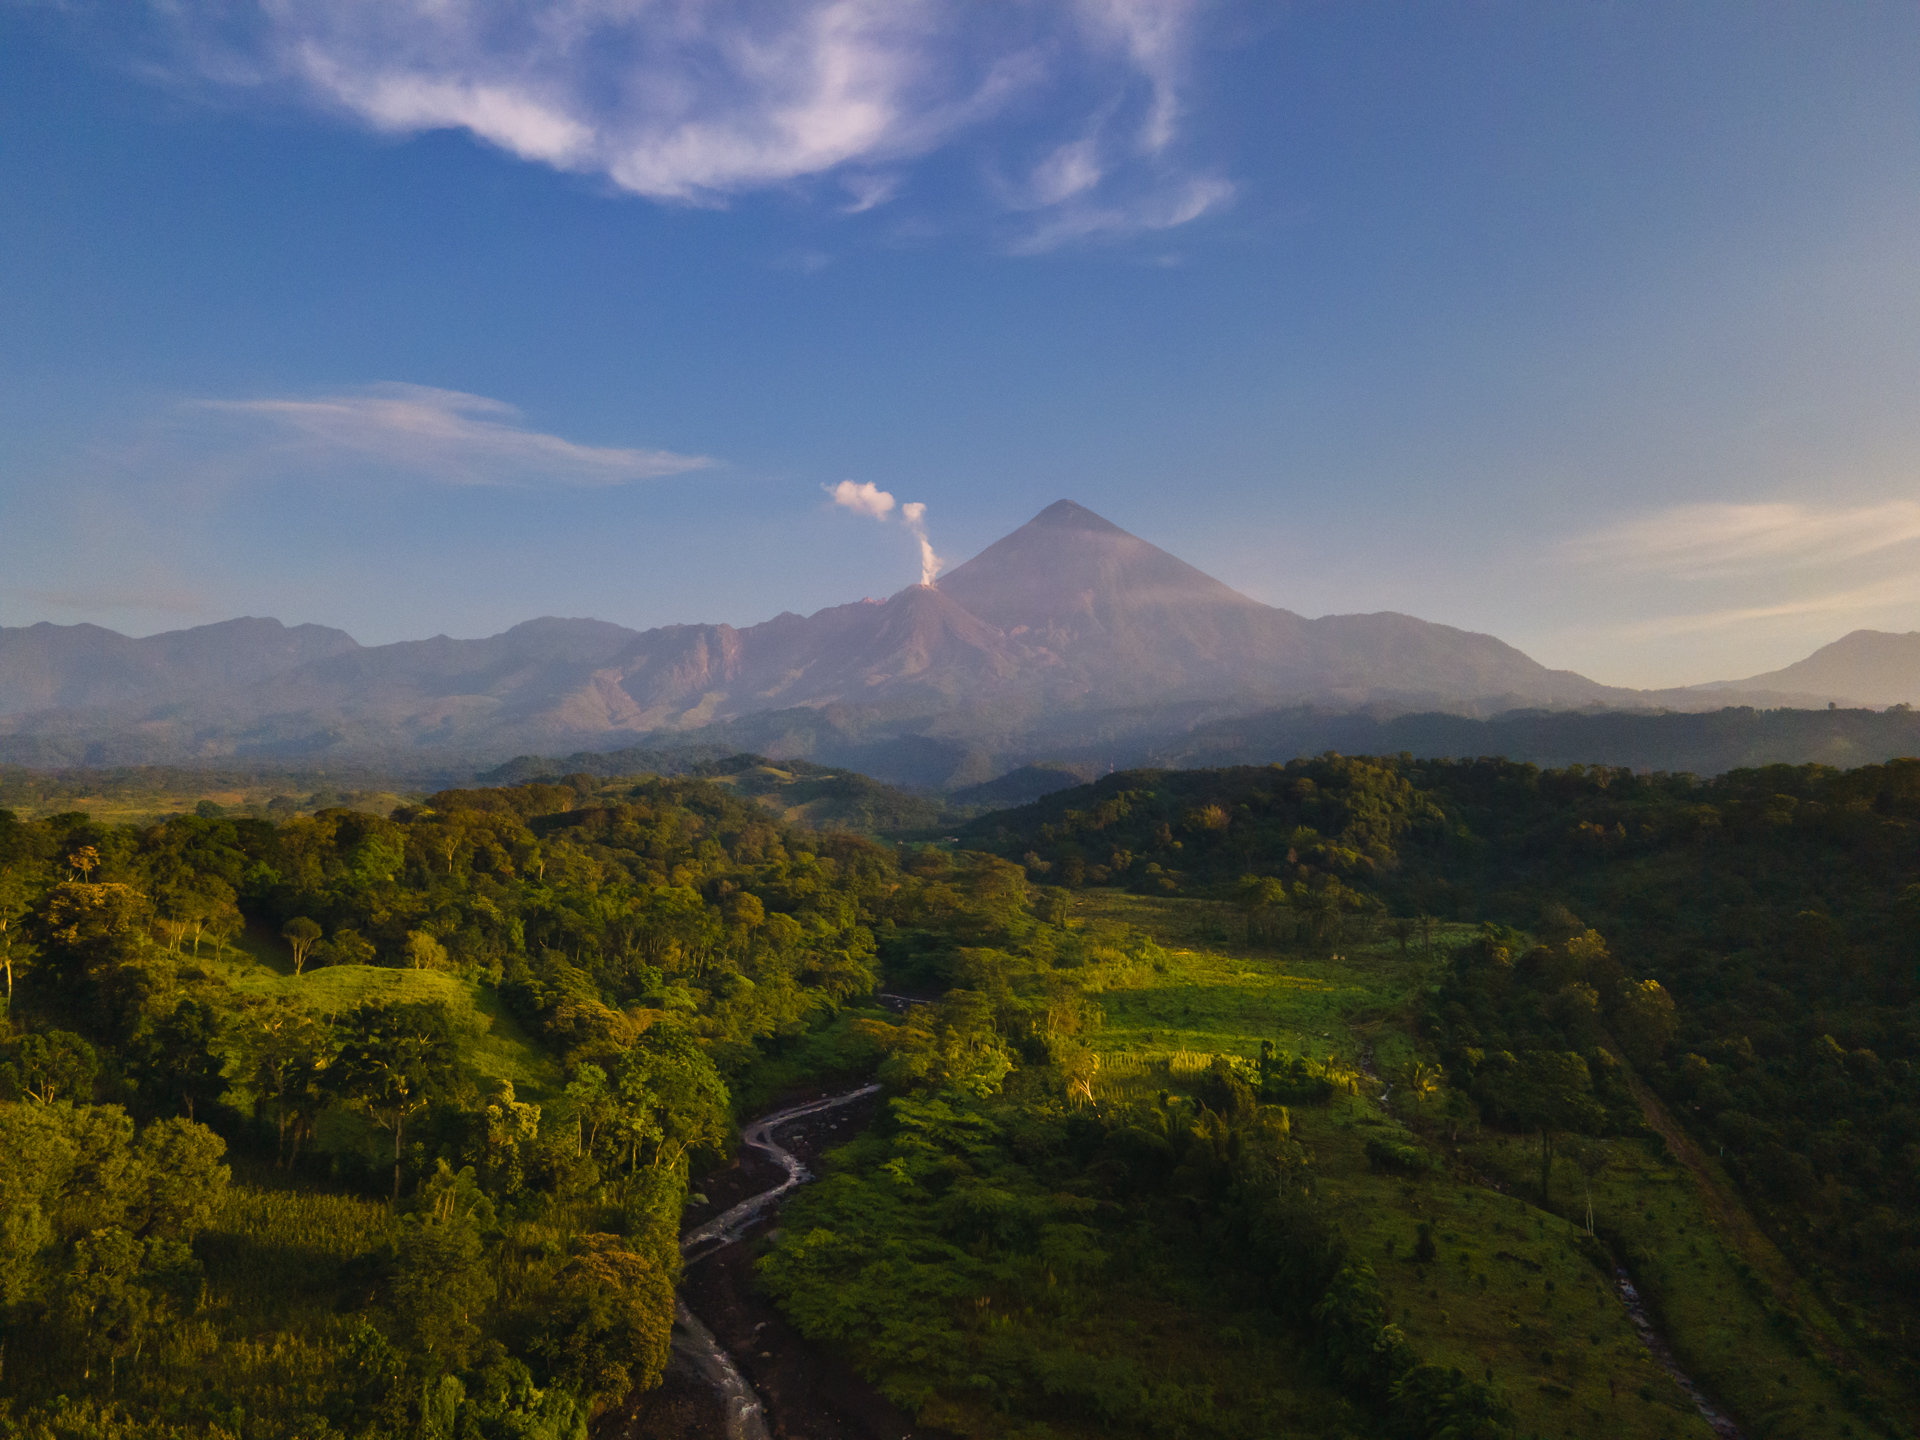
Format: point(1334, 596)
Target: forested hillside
point(1775, 913)
point(357, 1124)
point(1311, 1099)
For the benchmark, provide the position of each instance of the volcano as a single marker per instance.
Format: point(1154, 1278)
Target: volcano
point(1058, 627)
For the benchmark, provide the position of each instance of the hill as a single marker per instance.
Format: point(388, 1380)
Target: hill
point(1866, 667)
point(1057, 628)
point(1708, 743)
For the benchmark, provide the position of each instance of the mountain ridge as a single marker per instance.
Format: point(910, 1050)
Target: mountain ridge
point(1063, 631)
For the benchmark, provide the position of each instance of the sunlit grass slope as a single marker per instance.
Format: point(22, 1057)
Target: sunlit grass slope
point(492, 1045)
point(1514, 1293)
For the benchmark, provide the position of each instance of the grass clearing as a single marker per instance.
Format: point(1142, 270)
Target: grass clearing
point(1514, 1293)
point(492, 1045)
point(1717, 1313)
point(1212, 996)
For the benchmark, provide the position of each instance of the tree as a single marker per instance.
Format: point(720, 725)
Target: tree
point(101, 1299)
point(181, 1180)
point(1320, 906)
point(1420, 1079)
point(440, 1278)
point(1553, 1093)
point(197, 904)
point(1643, 1018)
point(1258, 896)
point(183, 1063)
point(1592, 1158)
point(592, 1105)
point(16, 899)
point(91, 937)
point(424, 952)
point(1079, 1064)
point(300, 934)
point(287, 1055)
point(48, 1067)
point(119, 1211)
point(609, 1330)
point(671, 1098)
point(394, 1061)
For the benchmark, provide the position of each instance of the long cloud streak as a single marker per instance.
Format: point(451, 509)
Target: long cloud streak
point(1694, 541)
point(1858, 601)
point(440, 435)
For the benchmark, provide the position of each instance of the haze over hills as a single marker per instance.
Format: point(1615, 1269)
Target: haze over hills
point(47, 667)
point(1867, 667)
point(1068, 634)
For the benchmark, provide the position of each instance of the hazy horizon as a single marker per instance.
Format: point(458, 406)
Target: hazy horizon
point(1589, 329)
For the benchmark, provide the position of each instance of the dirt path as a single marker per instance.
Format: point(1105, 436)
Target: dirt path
point(1728, 1214)
point(1742, 1232)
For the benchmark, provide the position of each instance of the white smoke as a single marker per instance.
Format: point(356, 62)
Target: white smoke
point(870, 499)
point(914, 515)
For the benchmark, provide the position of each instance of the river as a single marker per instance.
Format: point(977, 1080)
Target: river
point(746, 1411)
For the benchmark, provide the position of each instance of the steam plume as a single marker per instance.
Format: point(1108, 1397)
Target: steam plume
point(870, 499)
point(914, 515)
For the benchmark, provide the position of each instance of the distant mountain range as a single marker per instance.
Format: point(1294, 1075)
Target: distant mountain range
point(1067, 635)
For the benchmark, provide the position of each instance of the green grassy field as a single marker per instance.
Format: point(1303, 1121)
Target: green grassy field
point(1515, 1293)
point(492, 1045)
point(136, 802)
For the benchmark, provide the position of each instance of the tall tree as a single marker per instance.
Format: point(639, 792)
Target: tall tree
point(287, 1053)
point(183, 1062)
point(301, 934)
point(672, 1099)
point(1552, 1094)
point(47, 1067)
point(395, 1060)
point(17, 894)
point(1258, 896)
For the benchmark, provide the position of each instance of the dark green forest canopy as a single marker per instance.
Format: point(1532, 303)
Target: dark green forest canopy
point(1778, 907)
point(522, 1013)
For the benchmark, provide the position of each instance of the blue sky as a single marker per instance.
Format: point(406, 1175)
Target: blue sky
point(1596, 327)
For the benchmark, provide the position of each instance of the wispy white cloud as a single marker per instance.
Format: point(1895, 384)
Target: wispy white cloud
point(439, 435)
point(1092, 218)
point(696, 101)
point(1858, 601)
point(1704, 541)
point(1154, 36)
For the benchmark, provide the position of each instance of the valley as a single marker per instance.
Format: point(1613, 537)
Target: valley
point(1341, 1097)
